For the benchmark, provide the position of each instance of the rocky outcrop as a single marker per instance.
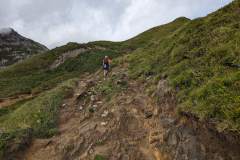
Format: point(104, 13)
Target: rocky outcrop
point(73, 54)
point(130, 125)
point(184, 137)
point(14, 47)
point(65, 56)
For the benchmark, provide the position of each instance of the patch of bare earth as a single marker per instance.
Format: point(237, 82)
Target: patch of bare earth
point(118, 130)
point(131, 126)
point(5, 102)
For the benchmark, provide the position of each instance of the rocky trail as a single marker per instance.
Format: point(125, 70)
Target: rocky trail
point(129, 126)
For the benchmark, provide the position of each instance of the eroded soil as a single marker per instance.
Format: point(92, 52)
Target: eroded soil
point(130, 126)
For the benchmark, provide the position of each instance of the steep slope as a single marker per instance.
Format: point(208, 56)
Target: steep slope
point(14, 47)
point(117, 119)
point(201, 62)
point(173, 94)
point(46, 70)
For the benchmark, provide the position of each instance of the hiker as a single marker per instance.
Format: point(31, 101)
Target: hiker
point(106, 66)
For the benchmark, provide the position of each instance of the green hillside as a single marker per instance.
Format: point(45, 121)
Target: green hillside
point(200, 59)
point(14, 47)
point(34, 75)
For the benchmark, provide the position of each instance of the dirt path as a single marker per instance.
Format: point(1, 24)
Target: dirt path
point(5, 102)
point(121, 129)
point(129, 126)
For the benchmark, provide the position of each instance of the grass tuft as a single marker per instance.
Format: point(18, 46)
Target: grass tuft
point(39, 115)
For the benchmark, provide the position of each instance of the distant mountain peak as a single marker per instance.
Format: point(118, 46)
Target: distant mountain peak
point(14, 47)
point(6, 30)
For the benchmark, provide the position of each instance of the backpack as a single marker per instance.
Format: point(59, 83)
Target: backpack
point(105, 61)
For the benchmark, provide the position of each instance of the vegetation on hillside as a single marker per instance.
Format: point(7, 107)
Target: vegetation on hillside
point(14, 47)
point(34, 75)
point(37, 117)
point(200, 58)
point(201, 61)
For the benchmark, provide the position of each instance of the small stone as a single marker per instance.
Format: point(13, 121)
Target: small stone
point(122, 82)
point(92, 98)
point(103, 123)
point(99, 102)
point(89, 92)
point(148, 114)
point(119, 81)
point(173, 140)
point(156, 111)
point(81, 108)
point(90, 151)
point(105, 114)
point(148, 78)
point(95, 106)
point(64, 105)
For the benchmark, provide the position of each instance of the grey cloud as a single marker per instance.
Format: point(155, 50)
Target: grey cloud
point(56, 22)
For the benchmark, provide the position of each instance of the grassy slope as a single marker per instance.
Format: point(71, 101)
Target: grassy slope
point(36, 117)
point(34, 75)
point(200, 59)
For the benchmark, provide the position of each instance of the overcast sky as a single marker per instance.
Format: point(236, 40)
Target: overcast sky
point(56, 22)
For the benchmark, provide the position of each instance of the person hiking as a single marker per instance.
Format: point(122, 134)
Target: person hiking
point(106, 66)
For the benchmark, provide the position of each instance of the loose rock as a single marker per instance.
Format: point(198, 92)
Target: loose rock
point(105, 114)
point(148, 114)
point(81, 108)
point(103, 123)
point(99, 102)
point(95, 106)
point(92, 98)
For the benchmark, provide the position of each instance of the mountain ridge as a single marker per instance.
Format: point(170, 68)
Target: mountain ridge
point(15, 47)
point(173, 93)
